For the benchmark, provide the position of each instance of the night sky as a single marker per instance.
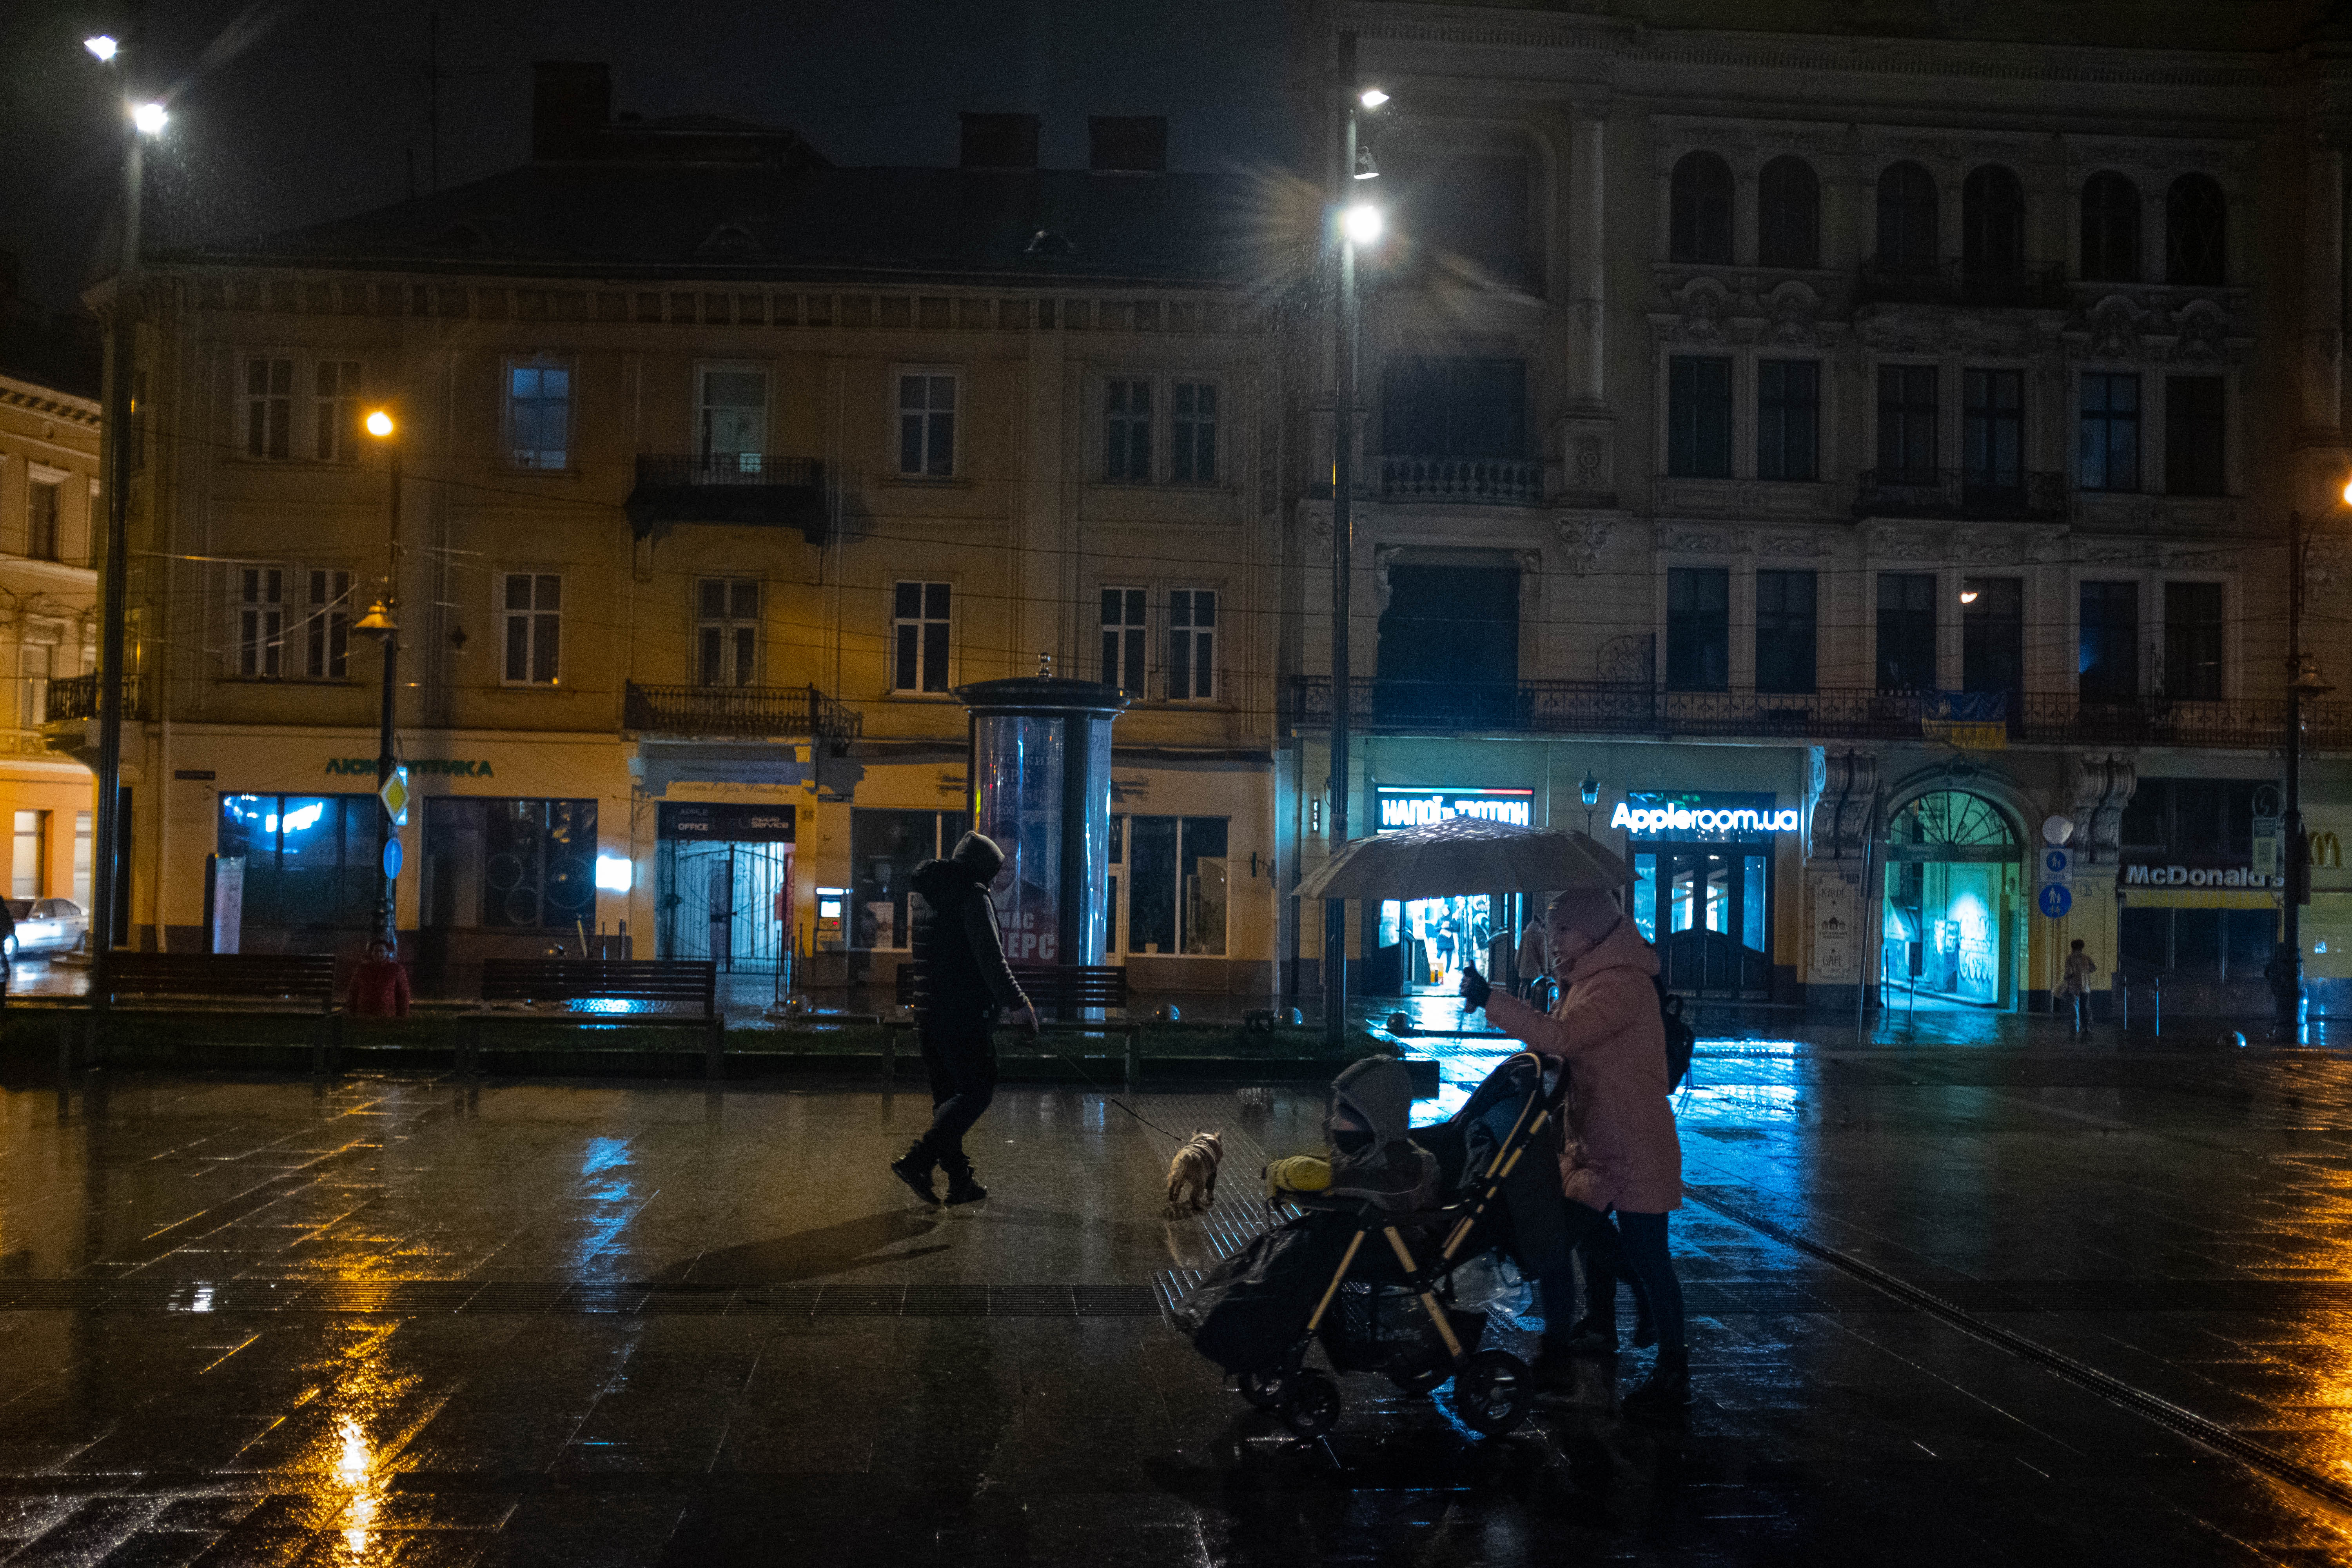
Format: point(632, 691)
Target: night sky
point(288, 111)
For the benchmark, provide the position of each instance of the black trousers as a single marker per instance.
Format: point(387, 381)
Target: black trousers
point(1642, 1254)
point(962, 1060)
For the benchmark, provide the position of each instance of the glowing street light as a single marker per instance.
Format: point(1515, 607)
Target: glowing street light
point(1371, 98)
point(379, 423)
point(103, 47)
point(1362, 224)
point(149, 119)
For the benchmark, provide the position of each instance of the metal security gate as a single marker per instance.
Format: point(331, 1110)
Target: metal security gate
point(726, 900)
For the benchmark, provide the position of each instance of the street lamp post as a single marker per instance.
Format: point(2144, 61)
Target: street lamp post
point(2304, 679)
point(1360, 224)
point(382, 623)
point(139, 121)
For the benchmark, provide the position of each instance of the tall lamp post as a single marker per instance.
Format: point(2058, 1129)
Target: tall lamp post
point(381, 624)
point(139, 120)
point(1360, 224)
point(2303, 680)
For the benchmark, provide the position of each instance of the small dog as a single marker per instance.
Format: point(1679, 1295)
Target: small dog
point(1193, 1176)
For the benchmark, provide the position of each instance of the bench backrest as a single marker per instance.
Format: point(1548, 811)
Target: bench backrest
point(1054, 987)
point(240, 976)
point(676, 981)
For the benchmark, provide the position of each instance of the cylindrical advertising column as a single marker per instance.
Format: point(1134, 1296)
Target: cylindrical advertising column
point(1040, 781)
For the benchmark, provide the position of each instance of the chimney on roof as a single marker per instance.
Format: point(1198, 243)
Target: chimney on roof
point(570, 105)
point(1127, 143)
point(999, 142)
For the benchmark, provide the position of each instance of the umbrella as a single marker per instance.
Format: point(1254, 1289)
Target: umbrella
point(1466, 855)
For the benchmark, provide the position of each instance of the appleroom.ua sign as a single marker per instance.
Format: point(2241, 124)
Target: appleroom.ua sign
point(1682, 819)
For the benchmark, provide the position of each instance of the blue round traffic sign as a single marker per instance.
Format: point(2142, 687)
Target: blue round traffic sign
point(2056, 901)
point(392, 857)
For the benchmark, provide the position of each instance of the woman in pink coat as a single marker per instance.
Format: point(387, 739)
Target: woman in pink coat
point(1619, 1150)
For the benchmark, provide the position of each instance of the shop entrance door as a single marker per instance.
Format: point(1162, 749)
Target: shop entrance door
point(1434, 938)
point(1707, 908)
point(725, 900)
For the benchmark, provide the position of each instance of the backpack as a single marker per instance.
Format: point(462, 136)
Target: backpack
point(1680, 1038)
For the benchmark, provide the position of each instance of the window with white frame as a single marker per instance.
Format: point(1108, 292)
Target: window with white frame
point(36, 662)
point(269, 408)
point(336, 410)
point(42, 508)
point(734, 424)
point(1123, 629)
point(1127, 431)
point(1192, 645)
point(533, 612)
point(926, 424)
point(539, 411)
point(919, 636)
point(1192, 444)
point(259, 621)
point(727, 631)
point(327, 624)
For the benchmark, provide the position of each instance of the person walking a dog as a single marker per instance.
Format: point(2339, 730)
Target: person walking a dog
point(959, 956)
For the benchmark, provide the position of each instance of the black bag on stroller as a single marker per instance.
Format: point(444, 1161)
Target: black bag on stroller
point(1248, 1311)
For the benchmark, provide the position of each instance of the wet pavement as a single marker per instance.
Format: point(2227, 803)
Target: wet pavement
point(2022, 1300)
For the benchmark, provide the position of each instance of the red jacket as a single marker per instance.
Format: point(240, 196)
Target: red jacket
point(379, 989)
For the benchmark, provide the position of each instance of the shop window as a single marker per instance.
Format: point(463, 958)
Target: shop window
point(1992, 436)
point(1787, 419)
point(29, 865)
point(1179, 889)
point(1699, 418)
point(1698, 628)
point(734, 423)
point(2108, 435)
point(1992, 634)
point(327, 626)
point(269, 408)
point(335, 410)
point(727, 631)
point(1192, 645)
point(2107, 646)
point(534, 628)
point(884, 847)
point(1907, 219)
point(1126, 432)
point(1992, 222)
point(2194, 435)
point(539, 413)
point(1788, 215)
point(919, 635)
point(1123, 639)
point(1786, 630)
point(1699, 204)
point(311, 862)
point(1906, 631)
point(508, 864)
point(1453, 407)
point(2110, 228)
point(1907, 420)
point(261, 621)
point(2191, 816)
point(2193, 638)
point(2195, 230)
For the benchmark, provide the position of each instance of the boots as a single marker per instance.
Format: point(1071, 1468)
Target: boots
point(1668, 1387)
point(914, 1168)
point(1593, 1335)
point(1645, 1329)
point(961, 1188)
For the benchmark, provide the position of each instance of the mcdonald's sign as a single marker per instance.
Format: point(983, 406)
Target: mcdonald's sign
point(2327, 850)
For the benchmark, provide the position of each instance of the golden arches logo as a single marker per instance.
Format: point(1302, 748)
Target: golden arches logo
point(2327, 850)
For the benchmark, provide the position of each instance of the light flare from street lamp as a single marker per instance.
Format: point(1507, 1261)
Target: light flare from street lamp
point(1371, 98)
point(379, 423)
point(149, 118)
point(1362, 224)
point(2347, 492)
point(1968, 595)
point(103, 47)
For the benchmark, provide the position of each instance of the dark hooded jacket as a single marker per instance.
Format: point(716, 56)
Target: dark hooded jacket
point(1392, 1171)
point(959, 954)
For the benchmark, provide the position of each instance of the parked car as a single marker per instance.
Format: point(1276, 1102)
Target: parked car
point(45, 925)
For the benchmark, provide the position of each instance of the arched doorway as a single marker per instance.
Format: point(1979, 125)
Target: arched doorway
point(1953, 927)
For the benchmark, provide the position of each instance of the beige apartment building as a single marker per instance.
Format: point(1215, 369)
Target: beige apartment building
point(721, 470)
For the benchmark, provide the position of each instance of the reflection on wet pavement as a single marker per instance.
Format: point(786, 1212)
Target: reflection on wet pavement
point(396, 1321)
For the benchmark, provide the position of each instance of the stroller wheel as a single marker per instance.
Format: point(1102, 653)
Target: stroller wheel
point(1313, 1407)
point(1265, 1388)
point(1491, 1391)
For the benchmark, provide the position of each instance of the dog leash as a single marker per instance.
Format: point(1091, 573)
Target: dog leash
point(1079, 1067)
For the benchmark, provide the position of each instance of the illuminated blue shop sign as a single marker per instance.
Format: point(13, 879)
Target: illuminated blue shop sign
point(1403, 806)
point(1713, 818)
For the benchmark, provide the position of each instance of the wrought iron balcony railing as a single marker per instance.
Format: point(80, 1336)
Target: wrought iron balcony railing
point(755, 490)
point(1972, 719)
point(753, 711)
point(1505, 480)
point(1962, 494)
point(73, 698)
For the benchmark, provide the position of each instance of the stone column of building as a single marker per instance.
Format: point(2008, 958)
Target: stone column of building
point(1840, 921)
point(2323, 291)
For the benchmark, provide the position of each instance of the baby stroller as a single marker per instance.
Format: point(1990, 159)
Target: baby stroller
point(1388, 1307)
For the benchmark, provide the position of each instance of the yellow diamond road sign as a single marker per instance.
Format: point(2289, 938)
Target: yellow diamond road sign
point(396, 796)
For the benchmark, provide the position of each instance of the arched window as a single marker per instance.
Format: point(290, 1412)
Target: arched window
point(1992, 222)
point(2196, 219)
point(1789, 214)
point(1907, 219)
point(1701, 204)
point(2110, 228)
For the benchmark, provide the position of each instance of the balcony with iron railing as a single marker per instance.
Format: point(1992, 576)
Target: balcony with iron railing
point(1952, 281)
point(1483, 481)
point(72, 698)
point(756, 711)
point(1972, 720)
point(1961, 494)
point(741, 490)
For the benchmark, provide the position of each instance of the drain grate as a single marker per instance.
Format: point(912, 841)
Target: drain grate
point(422, 1298)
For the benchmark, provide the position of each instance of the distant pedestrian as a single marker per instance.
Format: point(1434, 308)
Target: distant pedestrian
point(2075, 988)
point(379, 985)
point(1535, 951)
point(959, 956)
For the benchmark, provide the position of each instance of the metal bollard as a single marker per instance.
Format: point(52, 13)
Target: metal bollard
point(2155, 1007)
point(2123, 1003)
point(889, 1052)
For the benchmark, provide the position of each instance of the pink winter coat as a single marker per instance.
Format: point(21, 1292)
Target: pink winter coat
point(1619, 1145)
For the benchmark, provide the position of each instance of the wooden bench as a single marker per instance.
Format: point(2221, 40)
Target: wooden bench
point(1062, 994)
point(268, 983)
point(589, 992)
